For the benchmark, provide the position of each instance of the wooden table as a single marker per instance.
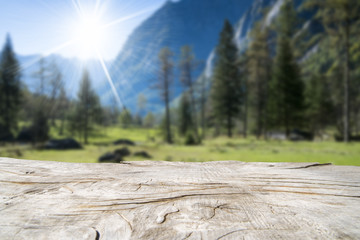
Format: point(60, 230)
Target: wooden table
point(174, 200)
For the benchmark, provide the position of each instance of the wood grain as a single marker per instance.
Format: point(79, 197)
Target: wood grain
point(166, 200)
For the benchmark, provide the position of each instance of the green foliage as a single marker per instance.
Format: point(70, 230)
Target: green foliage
point(149, 120)
point(190, 139)
point(165, 80)
point(341, 20)
point(188, 65)
point(185, 122)
point(286, 100)
point(125, 118)
point(73, 121)
point(320, 109)
point(39, 126)
point(226, 87)
point(87, 109)
point(10, 95)
point(259, 74)
point(211, 150)
point(138, 121)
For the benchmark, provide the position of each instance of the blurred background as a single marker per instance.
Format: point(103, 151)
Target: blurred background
point(185, 80)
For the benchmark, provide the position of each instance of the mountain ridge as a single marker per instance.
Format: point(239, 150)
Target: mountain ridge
point(188, 22)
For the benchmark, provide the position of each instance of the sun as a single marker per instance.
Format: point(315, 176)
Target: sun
point(89, 36)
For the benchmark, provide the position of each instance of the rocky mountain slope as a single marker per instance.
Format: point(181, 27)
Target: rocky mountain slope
point(188, 22)
point(196, 23)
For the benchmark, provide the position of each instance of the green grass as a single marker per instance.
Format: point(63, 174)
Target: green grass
point(247, 150)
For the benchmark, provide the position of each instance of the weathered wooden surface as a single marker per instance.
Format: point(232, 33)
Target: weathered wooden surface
point(165, 200)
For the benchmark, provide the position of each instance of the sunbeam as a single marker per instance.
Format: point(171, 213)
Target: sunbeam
point(77, 7)
point(108, 77)
point(47, 53)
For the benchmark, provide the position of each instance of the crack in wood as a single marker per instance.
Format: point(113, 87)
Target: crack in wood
point(97, 236)
point(227, 234)
point(308, 193)
point(262, 178)
point(187, 236)
point(126, 220)
point(313, 165)
point(214, 209)
point(140, 185)
point(300, 187)
point(162, 219)
point(311, 183)
point(166, 199)
point(167, 192)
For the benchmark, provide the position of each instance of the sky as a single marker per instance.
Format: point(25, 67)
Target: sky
point(50, 26)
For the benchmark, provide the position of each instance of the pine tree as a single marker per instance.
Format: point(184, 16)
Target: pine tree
point(226, 87)
point(39, 126)
point(165, 80)
point(88, 108)
point(41, 104)
point(340, 19)
point(10, 93)
point(203, 104)
point(242, 63)
point(63, 105)
point(138, 121)
point(320, 109)
point(188, 65)
point(42, 75)
point(259, 65)
point(185, 115)
point(286, 103)
point(56, 85)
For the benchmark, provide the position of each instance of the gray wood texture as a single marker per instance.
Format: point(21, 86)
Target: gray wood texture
point(173, 200)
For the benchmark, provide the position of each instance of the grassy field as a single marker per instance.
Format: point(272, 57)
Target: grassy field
point(247, 150)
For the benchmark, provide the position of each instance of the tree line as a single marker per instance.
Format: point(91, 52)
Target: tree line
point(269, 84)
point(30, 115)
point(266, 88)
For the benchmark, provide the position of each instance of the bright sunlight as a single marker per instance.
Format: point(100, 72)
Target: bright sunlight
point(89, 34)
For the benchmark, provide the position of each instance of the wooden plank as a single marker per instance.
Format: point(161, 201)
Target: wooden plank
point(166, 200)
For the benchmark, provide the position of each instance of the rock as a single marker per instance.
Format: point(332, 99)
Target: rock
point(116, 156)
point(176, 200)
point(62, 144)
point(143, 154)
point(110, 158)
point(124, 142)
point(123, 152)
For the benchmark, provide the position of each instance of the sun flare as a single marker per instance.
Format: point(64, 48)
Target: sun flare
point(89, 35)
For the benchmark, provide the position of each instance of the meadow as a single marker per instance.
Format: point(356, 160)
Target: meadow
point(212, 149)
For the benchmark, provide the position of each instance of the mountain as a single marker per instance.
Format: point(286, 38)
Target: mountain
point(71, 69)
point(188, 22)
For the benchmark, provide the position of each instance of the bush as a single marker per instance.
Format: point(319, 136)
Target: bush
point(190, 140)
